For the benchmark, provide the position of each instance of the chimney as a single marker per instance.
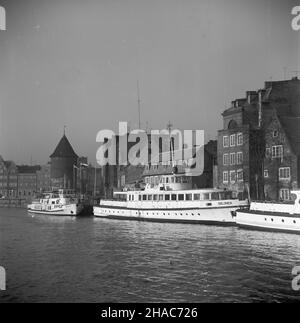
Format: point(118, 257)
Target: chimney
point(251, 96)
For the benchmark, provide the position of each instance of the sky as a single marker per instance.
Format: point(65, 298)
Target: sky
point(77, 63)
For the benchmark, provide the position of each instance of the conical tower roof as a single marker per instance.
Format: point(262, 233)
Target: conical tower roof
point(64, 149)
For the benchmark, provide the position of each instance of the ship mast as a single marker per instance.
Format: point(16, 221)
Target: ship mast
point(139, 102)
point(169, 127)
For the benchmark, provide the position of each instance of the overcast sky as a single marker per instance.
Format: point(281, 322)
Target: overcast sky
point(77, 63)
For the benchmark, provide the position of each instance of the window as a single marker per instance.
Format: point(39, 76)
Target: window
point(277, 151)
point(149, 197)
point(173, 196)
point(239, 139)
point(196, 197)
point(266, 173)
point(144, 197)
point(225, 159)
point(161, 197)
point(275, 133)
point(284, 173)
point(232, 176)
point(239, 157)
point(225, 141)
point(167, 197)
point(232, 159)
point(284, 194)
point(180, 197)
point(225, 177)
point(240, 175)
point(188, 197)
point(232, 140)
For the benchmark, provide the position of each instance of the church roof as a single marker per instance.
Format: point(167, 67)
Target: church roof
point(64, 149)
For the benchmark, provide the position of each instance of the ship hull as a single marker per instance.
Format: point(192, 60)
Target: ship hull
point(70, 210)
point(268, 221)
point(216, 216)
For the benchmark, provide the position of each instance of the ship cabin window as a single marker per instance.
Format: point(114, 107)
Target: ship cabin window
point(188, 197)
point(178, 180)
point(161, 197)
point(155, 197)
point(196, 197)
point(144, 197)
point(173, 197)
point(206, 196)
point(167, 180)
point(53, 202)
point(167, 197)
point(149, 197)
point(215, 196)
point(180, 197)
point(140, 197)
point(172, 179)
point(185, 179)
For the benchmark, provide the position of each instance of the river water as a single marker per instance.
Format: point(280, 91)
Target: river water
point(64, 259)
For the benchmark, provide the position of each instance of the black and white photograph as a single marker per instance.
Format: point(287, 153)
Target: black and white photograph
point(149, 154)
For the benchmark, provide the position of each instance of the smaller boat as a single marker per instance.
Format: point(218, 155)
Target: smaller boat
point(272, 216)
point(60, 202)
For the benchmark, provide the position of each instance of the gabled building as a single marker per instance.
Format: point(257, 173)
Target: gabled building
point(282, 157)
point(245, 138)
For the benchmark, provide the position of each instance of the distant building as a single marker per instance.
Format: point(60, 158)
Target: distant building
point(27, 181)
point(43, 179)
point(63, 160)
point(8, 179)
point(245, 138)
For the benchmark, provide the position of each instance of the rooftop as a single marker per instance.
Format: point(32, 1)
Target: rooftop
point(64, 149)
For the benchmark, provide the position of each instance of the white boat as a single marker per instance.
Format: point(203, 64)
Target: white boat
point(272, 216)
point(172, 200)
point(61, 202)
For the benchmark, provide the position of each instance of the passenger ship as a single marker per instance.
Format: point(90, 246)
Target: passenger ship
point(61, 202)
point(169, 197)
point(271, 216)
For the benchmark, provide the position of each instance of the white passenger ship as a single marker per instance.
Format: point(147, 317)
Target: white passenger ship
point(172, 200)
point(272, 216)
point(60, 202)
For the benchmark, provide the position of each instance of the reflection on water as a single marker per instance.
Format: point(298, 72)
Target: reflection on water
point(69, 259)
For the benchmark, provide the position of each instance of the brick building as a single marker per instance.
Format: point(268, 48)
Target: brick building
point(43, 179)
point(245, 142)
point(282, 157)
point(27, 181)
point(8, 178)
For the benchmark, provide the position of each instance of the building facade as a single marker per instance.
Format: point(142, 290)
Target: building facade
point(43, 179)
point(8, 179)
point(27, 181)
point(251, 160)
